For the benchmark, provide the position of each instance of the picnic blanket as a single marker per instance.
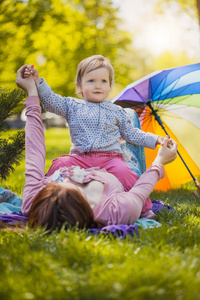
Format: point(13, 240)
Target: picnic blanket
point(9, 202)
point(10, 212)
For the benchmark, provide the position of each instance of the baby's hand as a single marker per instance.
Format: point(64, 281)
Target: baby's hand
point(161, 139)
point(31, 71)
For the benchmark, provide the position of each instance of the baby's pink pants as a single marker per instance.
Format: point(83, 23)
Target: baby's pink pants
point(112, 162)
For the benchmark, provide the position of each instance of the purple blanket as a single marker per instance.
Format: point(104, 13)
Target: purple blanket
point(119, 231)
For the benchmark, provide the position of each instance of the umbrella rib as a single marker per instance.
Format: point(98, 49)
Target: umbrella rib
point(163, 83)
point(158, 119)
point(177, 95)
point(139, 95)
point(167, 101)
point(176, 82)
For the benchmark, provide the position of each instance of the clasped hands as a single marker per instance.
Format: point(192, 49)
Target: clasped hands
point(26, 83)
point(167, 152)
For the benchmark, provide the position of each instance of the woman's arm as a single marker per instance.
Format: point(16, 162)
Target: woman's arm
point(34, 142)
point(134, 135)
point(35, 151)
point(126, 207)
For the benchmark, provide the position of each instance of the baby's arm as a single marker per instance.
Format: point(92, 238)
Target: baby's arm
point(133, 134)
point(52, 102)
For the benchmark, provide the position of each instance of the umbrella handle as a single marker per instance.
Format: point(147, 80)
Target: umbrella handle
point(196, 194)
point(197, 184)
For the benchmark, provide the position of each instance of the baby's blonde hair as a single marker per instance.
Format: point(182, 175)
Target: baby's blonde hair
point(90, 64)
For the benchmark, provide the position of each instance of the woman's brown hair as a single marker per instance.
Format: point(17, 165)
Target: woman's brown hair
point(56, 205)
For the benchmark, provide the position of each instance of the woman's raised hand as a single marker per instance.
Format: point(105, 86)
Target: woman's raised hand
point(26, 83)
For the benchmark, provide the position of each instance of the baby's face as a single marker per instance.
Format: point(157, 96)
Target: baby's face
point(95, 85)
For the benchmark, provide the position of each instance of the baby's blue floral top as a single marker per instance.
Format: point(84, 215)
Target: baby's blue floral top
point(93, 126)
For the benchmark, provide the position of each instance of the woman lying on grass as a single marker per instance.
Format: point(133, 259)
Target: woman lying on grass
point(78, 197)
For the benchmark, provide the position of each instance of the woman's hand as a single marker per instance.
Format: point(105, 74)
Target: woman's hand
point(27, 84)
point(167, 152)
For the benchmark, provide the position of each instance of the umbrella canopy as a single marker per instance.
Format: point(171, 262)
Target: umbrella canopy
point(168, 101)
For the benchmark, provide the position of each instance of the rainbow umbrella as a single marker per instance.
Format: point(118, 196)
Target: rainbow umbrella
point(168, 102)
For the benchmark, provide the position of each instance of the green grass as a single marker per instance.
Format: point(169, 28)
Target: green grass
point(162, 263)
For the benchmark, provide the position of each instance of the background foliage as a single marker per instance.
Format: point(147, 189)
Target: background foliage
point(56, 34)
point(192, 7)
point(11, 147)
